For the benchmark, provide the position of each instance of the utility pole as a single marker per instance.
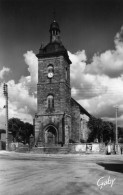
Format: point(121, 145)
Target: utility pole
point(5, 92)
point(116, 139)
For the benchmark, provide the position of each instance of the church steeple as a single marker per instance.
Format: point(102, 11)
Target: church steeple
point(55, 46)
point(54, 32)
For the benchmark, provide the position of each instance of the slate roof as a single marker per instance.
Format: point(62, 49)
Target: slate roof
point(82, 110)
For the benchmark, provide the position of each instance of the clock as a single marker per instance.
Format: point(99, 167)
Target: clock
point(50, 75)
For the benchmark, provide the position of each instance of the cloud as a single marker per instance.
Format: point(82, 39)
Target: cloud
point(84, 85)
point(31, 81)
point(99, 86)
point(32, 61)
point(4, 71)
point(21, 104)
point(78, 64)
point(20, 98)
point(22, 95)
point(111, 61)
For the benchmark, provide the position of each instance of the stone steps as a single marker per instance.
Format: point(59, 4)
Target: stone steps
point(50, 150)
point(22, 149)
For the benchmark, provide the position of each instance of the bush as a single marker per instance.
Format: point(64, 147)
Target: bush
point(3, 145)
point(82, 141)
point(61, 143)
point(120, 140)
point(71, 141)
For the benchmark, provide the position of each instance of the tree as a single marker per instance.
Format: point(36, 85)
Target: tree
point(21, 131)
point(120, 132)
point(15, 125)
point(101, 130)
point(29, 130)
point(96, 129)
point(108, 131)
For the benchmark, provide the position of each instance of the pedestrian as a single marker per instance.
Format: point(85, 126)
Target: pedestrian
point(109, 149)
point(121, 149)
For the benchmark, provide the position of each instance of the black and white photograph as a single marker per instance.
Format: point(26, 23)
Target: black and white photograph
point(61, 97)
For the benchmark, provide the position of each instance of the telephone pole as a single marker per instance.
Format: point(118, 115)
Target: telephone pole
point(116, 139)
point(5, 92)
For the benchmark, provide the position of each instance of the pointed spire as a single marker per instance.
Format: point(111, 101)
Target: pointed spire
point(54, 14)
point(54, 30)
point(42, 45)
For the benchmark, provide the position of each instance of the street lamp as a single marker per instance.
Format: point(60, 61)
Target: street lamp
point(116, 139)
point(5, 92)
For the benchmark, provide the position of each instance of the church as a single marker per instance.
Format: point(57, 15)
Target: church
point(59, 119)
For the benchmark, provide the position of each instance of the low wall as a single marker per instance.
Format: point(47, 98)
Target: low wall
point(50, 150)
point(88, 148)
point(85, 148)
point(95, 148)
point(18, 147)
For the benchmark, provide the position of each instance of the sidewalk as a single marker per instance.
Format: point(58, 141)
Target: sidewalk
point(80, 155)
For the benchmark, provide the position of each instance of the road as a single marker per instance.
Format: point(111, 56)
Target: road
point(31, 174)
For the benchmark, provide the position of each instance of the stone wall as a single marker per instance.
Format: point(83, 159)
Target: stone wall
point(85, 148)
point(94, 148)
point(3, 136)
point(19, 147)
point(84, 131)
point(58, 86)
point(43, 122)
point(67, 124)
point(75, 122)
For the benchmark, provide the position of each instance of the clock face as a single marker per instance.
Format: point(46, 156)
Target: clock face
point(50, 74)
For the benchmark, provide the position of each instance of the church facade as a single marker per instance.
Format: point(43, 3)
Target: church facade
point(59, 117)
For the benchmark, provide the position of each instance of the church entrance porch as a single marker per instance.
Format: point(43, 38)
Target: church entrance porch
point(51, 135)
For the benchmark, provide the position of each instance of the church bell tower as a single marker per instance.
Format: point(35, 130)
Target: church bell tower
point(53, 117)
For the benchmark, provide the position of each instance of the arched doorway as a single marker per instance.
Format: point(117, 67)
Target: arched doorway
point(51, 135)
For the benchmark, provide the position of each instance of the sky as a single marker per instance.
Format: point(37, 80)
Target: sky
point(92, 33)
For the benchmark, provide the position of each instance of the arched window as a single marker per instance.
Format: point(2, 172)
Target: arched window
point(50, 101)
point(50, 68)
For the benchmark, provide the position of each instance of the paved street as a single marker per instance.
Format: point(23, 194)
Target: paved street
point(34, 174)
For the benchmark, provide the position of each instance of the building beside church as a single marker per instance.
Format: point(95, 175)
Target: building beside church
point(59, 117)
